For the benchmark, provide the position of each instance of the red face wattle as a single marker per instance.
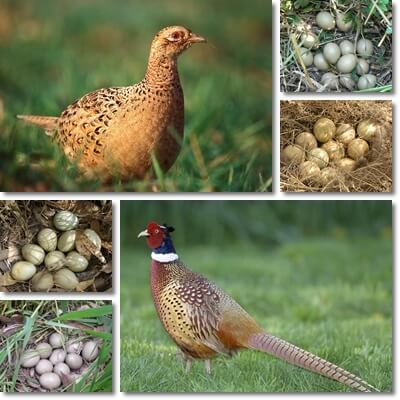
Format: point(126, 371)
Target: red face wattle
point(155, 235)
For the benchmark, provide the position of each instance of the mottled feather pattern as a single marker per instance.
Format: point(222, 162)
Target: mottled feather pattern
point(302, 358)
point(116, 132)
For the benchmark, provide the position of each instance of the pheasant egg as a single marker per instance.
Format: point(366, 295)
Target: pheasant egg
point(325, 20)
point(50, 380)
point(328, 176)
point(347, 81)
point(345, 133)
point(331, 52)
point(324, 129)
point(334, 149)
point(346, 47)
point(307, 56)
point(309, 40)
point(309, 169)
point(56, 340)
point(74, 361)
point(43, 366)
point(367, 81)
point(306, 140)
point(30, 358)
point(44, 350)
point(292, 154)
point(90, 350)
point(319, 156)
point(365, 48)
point(330, 80)
point(367, 129)
point(346, 164)
point(61, 369)
point(343, 22)
point(57, 356)
point(357, 148)
point(320, 62)
point(362, 66)
point(346, 63)
point(23, 270)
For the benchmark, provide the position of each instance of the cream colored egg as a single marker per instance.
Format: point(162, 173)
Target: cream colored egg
point(66, 242)
point(47, 239)
point(329, 176)
point(306, 141)
point(66, 279)
point(76, 262)
point(309, 40)
point(324, 129)
point(308, 171)
point(90, 350)
point(331, 52)
point(345, 133)
point(357, 148)
point(42, 281)
point(57, 356)
point(334, 149)
point(292, 154)
point(54, 260)
point(367, 81)
point(318, 156)
point(346, 164)
point(23, 270)
point(362, 66)
point(325, 20)
point(320, 62)
point(65, 220)
point(33, 253)
point(306, 56)
point(346, 63)
point(367, 129)
point(43, 366)
point(365, 48)
point(343, 22)
point(56, 340)
point(346, 47)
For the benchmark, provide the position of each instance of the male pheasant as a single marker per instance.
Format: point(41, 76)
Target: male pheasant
point(204, 321)
point(114, 132)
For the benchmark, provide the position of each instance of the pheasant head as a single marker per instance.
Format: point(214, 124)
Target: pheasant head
point(173, 40)
point(159, 240)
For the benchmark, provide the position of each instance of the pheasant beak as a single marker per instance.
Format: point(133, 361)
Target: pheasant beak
point(196, 38)
point(143, 234)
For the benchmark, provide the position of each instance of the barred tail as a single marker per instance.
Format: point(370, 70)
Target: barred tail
point(304, 359)
point(49, 124)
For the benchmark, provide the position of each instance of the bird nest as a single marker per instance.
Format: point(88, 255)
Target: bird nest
point(370, 21)
point(22, 220)
point(373, 175)
point(33, 358)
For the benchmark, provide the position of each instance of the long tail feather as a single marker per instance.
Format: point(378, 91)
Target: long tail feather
point(304, 359)
point(49, 124)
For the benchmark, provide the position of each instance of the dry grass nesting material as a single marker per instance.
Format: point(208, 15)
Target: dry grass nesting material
point(22, 220)
point(374, 174)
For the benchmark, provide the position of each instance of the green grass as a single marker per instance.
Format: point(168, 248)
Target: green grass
point(330, 296)
point(40, 320)
point(55, 52)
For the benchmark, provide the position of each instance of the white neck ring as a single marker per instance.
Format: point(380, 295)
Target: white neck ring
point(168, 257)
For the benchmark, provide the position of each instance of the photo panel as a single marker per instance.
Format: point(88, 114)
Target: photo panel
point(336, 146)
point(214, 293)
point(56, 246)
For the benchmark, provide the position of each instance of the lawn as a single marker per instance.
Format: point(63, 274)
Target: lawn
point(332, 297)
point(52, 53)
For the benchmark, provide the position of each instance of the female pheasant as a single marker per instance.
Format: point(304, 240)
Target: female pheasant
point(115, 132)
point(204, 321)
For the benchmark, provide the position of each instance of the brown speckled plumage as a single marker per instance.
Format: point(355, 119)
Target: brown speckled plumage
point(204, 321)
point(113, 132)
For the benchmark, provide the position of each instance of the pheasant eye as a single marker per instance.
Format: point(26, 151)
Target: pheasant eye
point(157, 231)
point(175, 36)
